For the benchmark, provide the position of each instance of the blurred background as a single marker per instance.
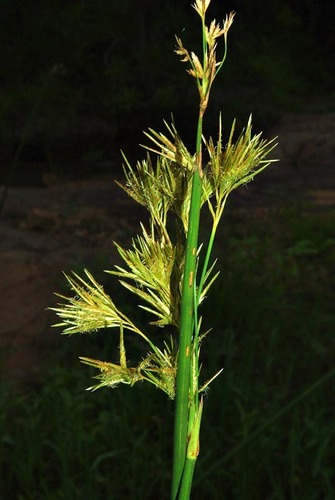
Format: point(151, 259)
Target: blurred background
point(86, 78)
point(80, 81)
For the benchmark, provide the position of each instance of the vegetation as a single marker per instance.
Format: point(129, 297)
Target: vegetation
point(167, 268)
point(171, 275)
point(274, 338)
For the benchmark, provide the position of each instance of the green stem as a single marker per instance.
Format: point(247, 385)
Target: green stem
point(186, 483)
point(216, 221)
point(187, 410)
point(193, 447)
point(186, 326)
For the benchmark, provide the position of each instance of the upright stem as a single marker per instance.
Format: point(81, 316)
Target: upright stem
point(187, 410)
point(187, 325)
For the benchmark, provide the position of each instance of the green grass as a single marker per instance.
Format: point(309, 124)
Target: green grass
point(273, 332)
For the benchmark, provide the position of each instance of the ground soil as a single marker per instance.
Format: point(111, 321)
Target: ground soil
point(64, 226)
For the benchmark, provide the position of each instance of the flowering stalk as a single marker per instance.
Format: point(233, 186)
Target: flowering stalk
point(187, 410)
point(163, 270)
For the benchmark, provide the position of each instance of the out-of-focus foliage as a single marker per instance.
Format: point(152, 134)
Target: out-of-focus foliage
point(107, 69)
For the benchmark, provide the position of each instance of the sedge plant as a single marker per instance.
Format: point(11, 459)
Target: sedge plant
point(166, 267)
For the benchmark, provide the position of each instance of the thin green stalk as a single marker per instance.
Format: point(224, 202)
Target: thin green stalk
point(186, 326)
point(192, 448)
point(209, 249)
point(195, 412)
point(186, 483)
point(187, 411)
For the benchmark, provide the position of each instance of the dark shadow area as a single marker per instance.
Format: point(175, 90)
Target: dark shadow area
point(80, 81)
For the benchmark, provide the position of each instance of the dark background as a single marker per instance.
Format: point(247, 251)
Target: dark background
point(81, 79)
